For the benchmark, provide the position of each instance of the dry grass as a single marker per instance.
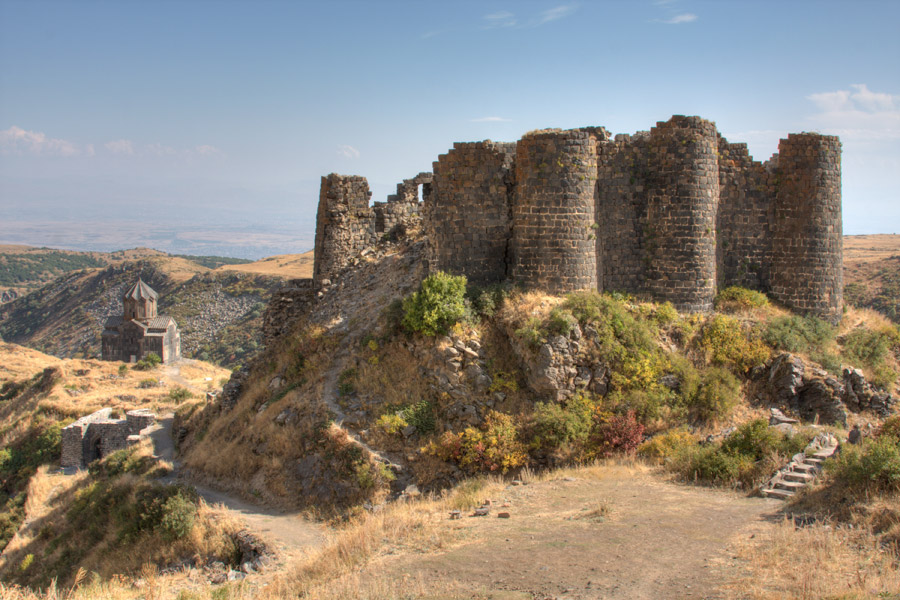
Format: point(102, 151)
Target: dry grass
point(290, 266)
point(815, 562)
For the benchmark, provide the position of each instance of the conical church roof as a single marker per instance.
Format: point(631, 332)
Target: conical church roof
point(140, 291)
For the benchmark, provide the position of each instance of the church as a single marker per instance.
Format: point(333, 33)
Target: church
point(140, 331)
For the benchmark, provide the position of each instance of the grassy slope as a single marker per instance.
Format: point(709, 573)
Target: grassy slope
point(872, 273)
point(41, 394)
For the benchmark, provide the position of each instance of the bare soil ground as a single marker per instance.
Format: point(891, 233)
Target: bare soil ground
point(606, 532)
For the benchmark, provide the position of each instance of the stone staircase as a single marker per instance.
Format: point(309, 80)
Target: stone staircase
point(802, 470)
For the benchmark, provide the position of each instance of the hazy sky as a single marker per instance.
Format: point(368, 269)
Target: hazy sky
point(233, 110)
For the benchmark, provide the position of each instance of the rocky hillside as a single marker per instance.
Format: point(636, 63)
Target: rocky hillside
point(219, 312)
point(384, 379)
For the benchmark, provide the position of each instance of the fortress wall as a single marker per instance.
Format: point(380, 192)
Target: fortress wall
point(345, 224)
point(679, 230)
point(745, 217)
point(807, 251)
point(402, 210)
point(554, 212)
point(467, 210)
point(621, 210)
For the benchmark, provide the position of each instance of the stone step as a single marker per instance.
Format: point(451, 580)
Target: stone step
point(804, 468)
point(799, 476)
point(824, 453)
point(790, 485)
point(809, 460)
point(779, 494)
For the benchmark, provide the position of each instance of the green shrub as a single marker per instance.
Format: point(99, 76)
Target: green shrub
point(391, 423)
point(713, 395)
point(347, 382)
point(744, 458)
point(531, 332)
point(667, 445)
point(798, 334)
point(726, 344)
point(555, 425)
point(437, 305)
point(420, 415)
point(868, 347)
point(890, 428)
point(146, 384)
point(179, 394)
point(178, 514)
point(739, 298)
point(560, 322)
point(123, 369)
point(874, 465)
point(486, 300)
point(150, 361)
point(666, 314)
point(493, 447)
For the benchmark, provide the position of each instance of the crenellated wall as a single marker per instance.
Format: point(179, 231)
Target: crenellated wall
point(675, 214)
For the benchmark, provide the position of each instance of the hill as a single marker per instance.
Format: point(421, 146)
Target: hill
point(872, 273)
point(218, 312)
point(39, 395)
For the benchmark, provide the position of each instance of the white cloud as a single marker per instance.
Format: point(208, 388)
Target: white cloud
point(857, 113)
point(16, 140)
point(120, 147)
point(490, 120)
point(679, 19)
point(207, 150)
point(500, 19)
point(348, 151)
point(557, 13)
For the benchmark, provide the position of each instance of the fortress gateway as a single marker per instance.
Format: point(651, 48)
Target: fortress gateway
point(674, 213)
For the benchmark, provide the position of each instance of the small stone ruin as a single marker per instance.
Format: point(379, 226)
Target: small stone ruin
point(98, 435)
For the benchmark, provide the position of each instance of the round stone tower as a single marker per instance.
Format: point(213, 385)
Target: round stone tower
point(679, 225)
point(554, 213)
point(807, 244)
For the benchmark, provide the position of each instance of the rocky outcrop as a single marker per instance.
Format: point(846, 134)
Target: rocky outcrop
point(859, 395)
point(816, 396)
point(231, 391)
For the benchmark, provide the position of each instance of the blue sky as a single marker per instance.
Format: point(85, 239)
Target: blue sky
point(226, 114)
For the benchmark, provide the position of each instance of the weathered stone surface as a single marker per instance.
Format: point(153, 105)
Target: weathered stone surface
point(786, 378)
point(97, 435)
point(671, 213)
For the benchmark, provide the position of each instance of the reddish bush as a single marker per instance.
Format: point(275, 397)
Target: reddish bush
point(617, 433)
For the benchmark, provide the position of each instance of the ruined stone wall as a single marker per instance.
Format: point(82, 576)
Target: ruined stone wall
point(745, 218)
point(553, 238)
point(674, 213)
point(621, 212)
point(807, 250)
point(467, 215)
point(288, 303)
point(402, 210)
point(138, 420)
point(345, 224)
point(97, 435)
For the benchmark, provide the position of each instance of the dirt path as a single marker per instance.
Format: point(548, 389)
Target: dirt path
point(287, 533)
point(625, 535)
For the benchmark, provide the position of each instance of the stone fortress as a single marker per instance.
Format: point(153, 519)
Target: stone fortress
point(140, 331)
point(674, 214)
point(98, 435)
